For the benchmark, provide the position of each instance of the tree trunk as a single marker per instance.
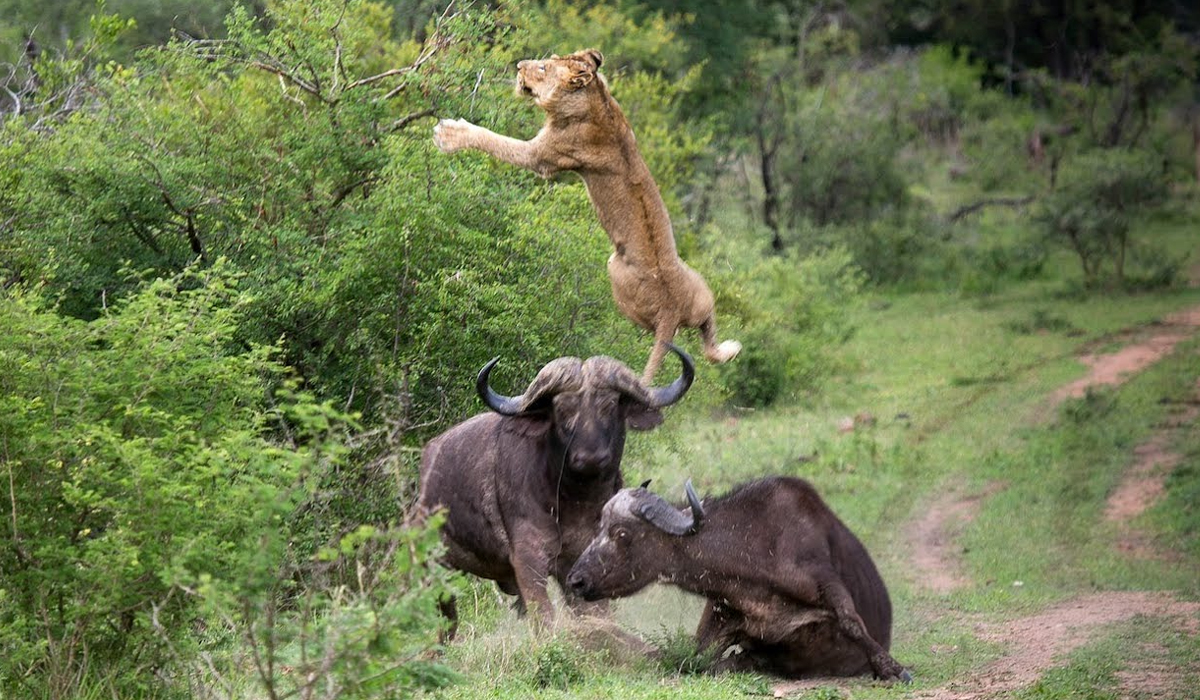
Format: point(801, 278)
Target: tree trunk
point(770, 193)
point(1196, 140)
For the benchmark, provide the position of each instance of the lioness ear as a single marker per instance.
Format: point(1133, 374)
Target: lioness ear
point(594, 56)
point(581, 77)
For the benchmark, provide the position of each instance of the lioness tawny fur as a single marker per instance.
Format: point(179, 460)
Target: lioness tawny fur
point(586, 132)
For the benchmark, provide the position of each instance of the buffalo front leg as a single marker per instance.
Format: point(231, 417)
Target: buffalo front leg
point(532, 570)
point(720, 633)
point(834, 593)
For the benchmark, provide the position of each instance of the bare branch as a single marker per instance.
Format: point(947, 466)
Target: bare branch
point(999, 201)
point(404, 121)
point(429, 49)
point(339, 69)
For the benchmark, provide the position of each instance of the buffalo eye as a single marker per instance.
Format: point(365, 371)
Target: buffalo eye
point(619, 534)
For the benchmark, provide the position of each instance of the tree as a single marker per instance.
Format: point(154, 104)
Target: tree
point(1093, 211)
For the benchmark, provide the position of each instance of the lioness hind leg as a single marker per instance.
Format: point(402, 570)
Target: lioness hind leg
point(724, 352)
point(663, 334)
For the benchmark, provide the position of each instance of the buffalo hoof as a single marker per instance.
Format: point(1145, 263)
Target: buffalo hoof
point(887, 669)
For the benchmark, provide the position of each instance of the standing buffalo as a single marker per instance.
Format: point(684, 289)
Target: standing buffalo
point(791, 591)
point(524, 486)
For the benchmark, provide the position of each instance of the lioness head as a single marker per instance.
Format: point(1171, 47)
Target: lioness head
point(555, 84)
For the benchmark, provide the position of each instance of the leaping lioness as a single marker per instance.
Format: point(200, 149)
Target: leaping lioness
point(586, 132)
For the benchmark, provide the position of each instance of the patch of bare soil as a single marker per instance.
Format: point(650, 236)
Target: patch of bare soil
point(936, 555)
point(1144, 482)
point(1039, 642)
point(1114, 368)
point(1155, 678)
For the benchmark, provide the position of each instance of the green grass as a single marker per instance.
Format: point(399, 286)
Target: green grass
point(1142, 646)
point(958, 386)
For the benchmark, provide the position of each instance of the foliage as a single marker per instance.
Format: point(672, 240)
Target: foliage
point(360, 627)
point(150, 489)
point(1117, 103)
point(42, 89)
point(794, 338)
point(947, 92)
point(896, 250)
point(557, 665)
point(677, 653)
point(1093, 211)
point(996, 148)
point(646, 43)
point(841, 166)
point(55, 25)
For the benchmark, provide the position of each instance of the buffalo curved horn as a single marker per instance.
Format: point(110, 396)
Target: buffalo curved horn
point(620, 377)
point(665, 396)
point(563, 374)
point(669, 519)
point(499, 403)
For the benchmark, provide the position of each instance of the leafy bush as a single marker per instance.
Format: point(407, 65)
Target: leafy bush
point(798, 324)
point(1094, 209)
point(841, 167)
point(557, 665)
point(947, 86)
point(152, 478)
point(996, 148)
point(890, 249)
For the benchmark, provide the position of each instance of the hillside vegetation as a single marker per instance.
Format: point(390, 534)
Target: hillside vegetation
point(240, 287)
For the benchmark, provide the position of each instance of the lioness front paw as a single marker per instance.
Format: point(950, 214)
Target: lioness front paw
point(451, 135)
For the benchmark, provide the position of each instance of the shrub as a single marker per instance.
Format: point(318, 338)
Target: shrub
point(678, 653)
point(995, 148)
point(558, 665)
point(799, 322)
point(154, 472)
point(890, 249)
point(841, 168)
point(1101, 194)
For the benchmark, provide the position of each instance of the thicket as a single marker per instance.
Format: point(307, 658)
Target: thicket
point(159, 478)
point(240, 285)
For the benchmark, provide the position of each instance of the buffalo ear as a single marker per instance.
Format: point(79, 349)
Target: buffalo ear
point(641, 417)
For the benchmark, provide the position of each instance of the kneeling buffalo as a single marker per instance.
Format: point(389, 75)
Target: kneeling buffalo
point(791, 591)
